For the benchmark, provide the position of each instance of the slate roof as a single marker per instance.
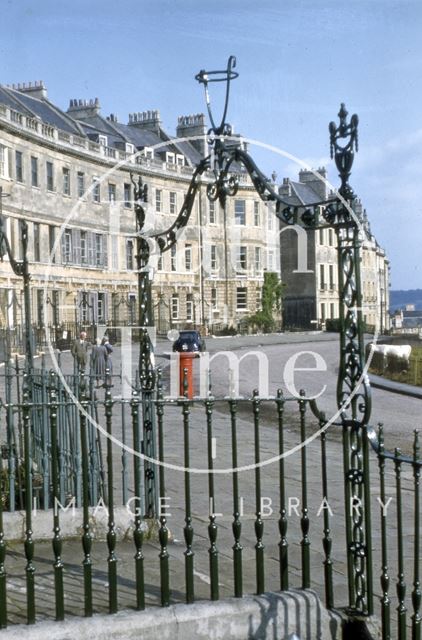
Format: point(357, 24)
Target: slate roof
point(38, 108)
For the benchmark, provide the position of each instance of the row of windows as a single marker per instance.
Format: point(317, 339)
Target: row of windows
point(241, 303)
point(323, 283)
point(326, 236)
point(63, 181)
point(331, 309)
point(241, 258)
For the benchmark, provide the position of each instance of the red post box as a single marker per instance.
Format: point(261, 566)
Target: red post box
point(186, 363)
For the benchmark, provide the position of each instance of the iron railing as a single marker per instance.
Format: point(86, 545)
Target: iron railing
point(212, 455)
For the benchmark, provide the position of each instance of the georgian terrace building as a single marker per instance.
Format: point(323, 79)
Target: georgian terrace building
point(312, 290)
point(68, 174)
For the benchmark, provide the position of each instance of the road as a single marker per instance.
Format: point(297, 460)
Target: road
point(319, 352)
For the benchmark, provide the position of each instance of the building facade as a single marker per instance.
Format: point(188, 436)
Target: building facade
point(69, 175)
point(309, 265)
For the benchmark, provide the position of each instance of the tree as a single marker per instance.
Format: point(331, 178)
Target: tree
point(272, 295)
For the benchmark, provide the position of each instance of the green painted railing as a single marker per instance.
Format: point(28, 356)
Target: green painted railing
point(50, 441)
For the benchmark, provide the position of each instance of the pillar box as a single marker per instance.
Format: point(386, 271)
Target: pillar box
point(186, 362)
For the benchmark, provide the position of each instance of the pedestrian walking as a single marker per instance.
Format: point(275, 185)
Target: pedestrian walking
point(99, 355)
point(80, 348)
point(109, 363)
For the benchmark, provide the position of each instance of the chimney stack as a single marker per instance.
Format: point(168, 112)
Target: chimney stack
point(81, 109)
point(35, 90)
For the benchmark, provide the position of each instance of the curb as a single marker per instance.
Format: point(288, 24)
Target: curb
point(395, 387)
point(285, 615)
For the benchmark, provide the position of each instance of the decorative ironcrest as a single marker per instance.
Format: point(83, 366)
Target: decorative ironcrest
point(344, 154)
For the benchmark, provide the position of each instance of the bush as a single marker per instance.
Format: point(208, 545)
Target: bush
point(333, 325)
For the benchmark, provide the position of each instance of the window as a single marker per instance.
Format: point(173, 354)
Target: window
point(180, 160)
point(51, 241)
point(96, 196)
point(158, 199)
point(241, 261)
point(330, 237)
point(67, 254)
point(321, 236)
point(173, 259)
point(81, 184)
point(4, 161)
point(111, 192)
point(173, 201)
point(239, 212)
point(258, 301)
point(213, 257)
point(258, 258)
point(34, 171)
point(212, 212)
point(256, 216)
point(129, 255)
point(127, 195)
point(321, 276)
point(50, 175)
point(37, 252)
point(214, 298)
point(331, 273)
point(270, 260)
point(270, 220)
point(188, 257)
point(19, 166)
point(332, 310)
point(66, 181)
point(99, 253)
point(84, 248)
point(101, 308)
point(322, 312)
point(103, 140)
point(189, 307)
point(174, 306)
point(160, 263)
point(242, 298)
point(148, 153)
point(170, 158)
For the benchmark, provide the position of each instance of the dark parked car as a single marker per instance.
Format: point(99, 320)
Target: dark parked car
point(190, 341)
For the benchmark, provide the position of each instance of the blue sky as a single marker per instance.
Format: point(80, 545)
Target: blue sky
point(297, 61)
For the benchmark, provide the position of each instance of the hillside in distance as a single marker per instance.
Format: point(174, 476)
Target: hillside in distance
point(400, 298)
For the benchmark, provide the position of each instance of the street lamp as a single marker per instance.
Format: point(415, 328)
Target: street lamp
point(21, 269)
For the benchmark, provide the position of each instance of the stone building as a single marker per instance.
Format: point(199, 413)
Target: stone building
point(309, 265)
point(68, 174)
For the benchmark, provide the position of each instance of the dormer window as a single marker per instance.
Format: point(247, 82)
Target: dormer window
point(130, 147)
point(180, 160)
point(170, 159)
point(148, 153)
point(103, 140)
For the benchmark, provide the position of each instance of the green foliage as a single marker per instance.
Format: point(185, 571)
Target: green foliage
point(333, 325)
point(272, 295)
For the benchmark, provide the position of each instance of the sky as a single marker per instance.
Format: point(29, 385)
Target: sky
point(297, 61)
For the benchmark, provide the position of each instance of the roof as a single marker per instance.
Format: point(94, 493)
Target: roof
point(38, 108)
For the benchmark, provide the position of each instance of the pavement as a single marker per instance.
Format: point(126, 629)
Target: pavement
point(175, 478)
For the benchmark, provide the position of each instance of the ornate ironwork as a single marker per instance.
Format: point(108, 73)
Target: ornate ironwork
point(227, 159)
point(146, 347)
point(21, 269)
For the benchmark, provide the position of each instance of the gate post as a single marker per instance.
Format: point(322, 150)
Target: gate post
point(146, 349)
point(353, 390)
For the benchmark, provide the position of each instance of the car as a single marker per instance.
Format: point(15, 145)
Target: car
point(189, 341)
